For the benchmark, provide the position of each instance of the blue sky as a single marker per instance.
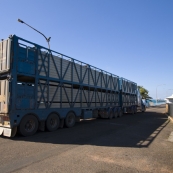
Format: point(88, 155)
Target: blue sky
point(130, 38)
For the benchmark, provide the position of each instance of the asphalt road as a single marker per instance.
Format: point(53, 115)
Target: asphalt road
point(132, 143)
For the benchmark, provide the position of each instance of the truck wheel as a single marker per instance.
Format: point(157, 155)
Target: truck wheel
point(70, 119)
point(120, 114)
point(28, 125)
point(111, 115)
point(135, 110)
point(116, 114)
point(52, 122)
point(143, 108)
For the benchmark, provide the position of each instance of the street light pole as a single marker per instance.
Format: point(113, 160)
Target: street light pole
point(47, 39)
point(156, 91)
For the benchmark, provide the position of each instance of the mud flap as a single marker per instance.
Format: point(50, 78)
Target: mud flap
point(1, 130)
point(7, 132)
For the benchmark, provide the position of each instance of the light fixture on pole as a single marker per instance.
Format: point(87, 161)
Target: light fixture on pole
point(47, 39)
point(156, 91)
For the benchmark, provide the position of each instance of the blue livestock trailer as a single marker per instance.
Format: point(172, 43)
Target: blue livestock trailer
point(43, 89)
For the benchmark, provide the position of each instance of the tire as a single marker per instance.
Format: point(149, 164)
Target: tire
point(28, 125)
point(143, 108)
point(52, 122)
point(70, 120)
point(115, 114)
point(111, 115)
point(120, 114)
point(135, 110)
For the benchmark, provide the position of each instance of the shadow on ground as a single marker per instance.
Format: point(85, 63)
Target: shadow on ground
point(137, 130)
